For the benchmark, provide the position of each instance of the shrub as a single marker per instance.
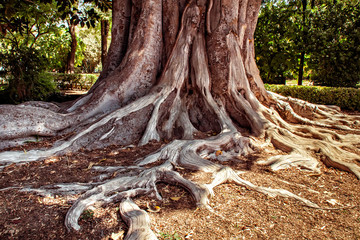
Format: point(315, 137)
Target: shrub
point(24, 69)
point(74, 81)
point(345, 98)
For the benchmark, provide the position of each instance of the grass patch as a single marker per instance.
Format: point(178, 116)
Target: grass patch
point(169, 236)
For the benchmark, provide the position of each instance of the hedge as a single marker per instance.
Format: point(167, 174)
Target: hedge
point(74, 81)
point(345, 98)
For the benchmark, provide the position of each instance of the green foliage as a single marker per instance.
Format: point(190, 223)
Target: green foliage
point(85, 12)
point(40, 24)
point(87, 215)
point(55, 48)
point(23, 24)
point(25, 49)
point(90, 41)
point(34, 39)
point(328, 32)
point(345, 98)
point(168, 236)
point(74, 81)
point(334, 44)
point(277, 40)
point(24, 70)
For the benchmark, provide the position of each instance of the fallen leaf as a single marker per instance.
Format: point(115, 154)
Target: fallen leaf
point(51, 160)
point(113, 153)
point(175, 198)
point(332, 201)
point(155, 208)
point(117, 236)
point(90, 165)
point(15, 220)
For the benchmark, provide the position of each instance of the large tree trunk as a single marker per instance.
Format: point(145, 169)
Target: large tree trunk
point(181, 71)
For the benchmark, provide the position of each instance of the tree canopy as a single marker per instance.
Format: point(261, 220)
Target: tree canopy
point(322, 33)
point(39, 31)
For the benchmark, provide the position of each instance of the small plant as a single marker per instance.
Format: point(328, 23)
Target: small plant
point(236, 225)
point(168, 236)
point(87, 214)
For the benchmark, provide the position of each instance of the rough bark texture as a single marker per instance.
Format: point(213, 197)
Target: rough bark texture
point(182, 71)
point(105, 25)
point(70, 66)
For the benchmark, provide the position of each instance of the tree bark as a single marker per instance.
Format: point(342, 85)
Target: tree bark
point(70, 65)
point(312, 4)
point(301, 68)
point(182, 72)
point(105, 25)
point(121, 13)
point(302, 55)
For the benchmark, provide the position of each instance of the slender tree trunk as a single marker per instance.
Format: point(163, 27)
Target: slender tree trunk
point(302, 55)
point(104, 37)
point(312, 4)
point(301, 68)
point(70, 66)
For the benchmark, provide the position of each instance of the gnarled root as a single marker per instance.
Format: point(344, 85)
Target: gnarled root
point(187, 103)
point(183, 154)
point(137, 220)
point(332, 142)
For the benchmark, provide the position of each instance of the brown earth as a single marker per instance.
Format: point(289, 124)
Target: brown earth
point(238, 213)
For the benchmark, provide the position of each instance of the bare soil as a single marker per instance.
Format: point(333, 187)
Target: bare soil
point(238, 213)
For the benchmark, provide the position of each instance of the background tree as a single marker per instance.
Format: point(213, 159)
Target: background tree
point(276, 42)
point(177, 72)
point(82, 13)
point(35, 31)
point(304, 4)
point(294, 35)
point(333, 44)
point(24, 28)
point(89, 51)
point(70, 66)
point(94, 43)
point(105, 26)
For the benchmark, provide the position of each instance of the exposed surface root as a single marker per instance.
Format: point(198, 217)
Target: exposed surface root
point(135, 77)
point(137, 220)
point(139, 180)
point(209, 98)
point(304, 144)
point(301, 112)
point(182, 154)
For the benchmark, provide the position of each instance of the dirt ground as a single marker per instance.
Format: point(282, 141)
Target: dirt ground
point(238, 213)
